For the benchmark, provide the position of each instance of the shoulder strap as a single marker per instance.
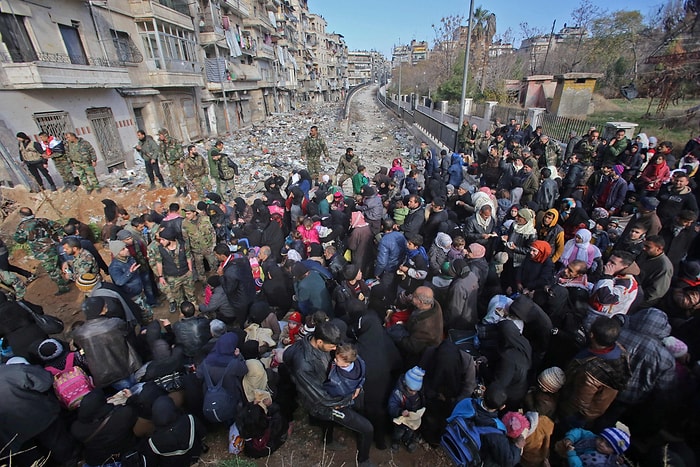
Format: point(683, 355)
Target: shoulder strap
point(99, 428)
point(207, 377)
point(69, 361)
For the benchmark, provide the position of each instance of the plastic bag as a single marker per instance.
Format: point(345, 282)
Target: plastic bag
point(235, 441)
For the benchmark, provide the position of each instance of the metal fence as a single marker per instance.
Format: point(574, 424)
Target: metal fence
point(559, 128)
point(478, 109)
point(505, 113)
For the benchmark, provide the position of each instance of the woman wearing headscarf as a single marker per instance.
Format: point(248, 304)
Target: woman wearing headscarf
point(480, 226)
point(105, 430)
point(437, 255)
point(551, 232)
point(177, 438)
point(217, 365)
point(572, 217)
point(655, 174)
point(580, 248)
point(517, 244)
point(513, 363)
point(537, 271)
point(295, 205)
point(18, 329)
point(360, 243)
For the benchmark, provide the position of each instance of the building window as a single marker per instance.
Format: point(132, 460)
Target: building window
point(74, 46)
point(53, 123)
point(16, 39)
point(127, 52)
point(177, 46)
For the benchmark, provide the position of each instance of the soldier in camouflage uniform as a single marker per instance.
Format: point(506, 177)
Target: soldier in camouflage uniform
point(12, 285)
point(587, 147)
point(42, 236)
point(171, 149)
point(173, 268)
point(226, 181)
point(55, 149)
point(82, 263)
point(83, 158)
point(552, 152)
point(311, 149)
point(195, 167)
point(200, 240)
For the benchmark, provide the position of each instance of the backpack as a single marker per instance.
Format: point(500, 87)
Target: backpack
point(219, 404)
point(71, 384)
point(232, 164)
point(462, 438)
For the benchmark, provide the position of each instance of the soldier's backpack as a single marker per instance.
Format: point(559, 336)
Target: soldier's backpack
point(232, 164)
point(70, 384)
point(219, 404)
point(462, 438)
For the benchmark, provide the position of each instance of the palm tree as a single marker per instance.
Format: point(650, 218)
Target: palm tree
point(483, 30)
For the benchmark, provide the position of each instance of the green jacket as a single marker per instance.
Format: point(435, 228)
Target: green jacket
point(195, 167)
point(81, 152)
point(348, 167)
point(199, 235)
point(41, 234)
point(149, 148)
point(171, 150)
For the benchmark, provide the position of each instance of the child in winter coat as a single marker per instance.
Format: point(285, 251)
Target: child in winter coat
point(406, 397)
point(290, 333)
point(583, 448)
point(347, 374)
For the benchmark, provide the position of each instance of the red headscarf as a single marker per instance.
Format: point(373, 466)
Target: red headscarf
point(544, 249)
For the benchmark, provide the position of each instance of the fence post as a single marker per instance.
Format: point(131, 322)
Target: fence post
point(468, 106)
point(535, 115)
point(488, 110)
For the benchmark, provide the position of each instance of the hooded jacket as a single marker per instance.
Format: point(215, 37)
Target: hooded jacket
point(177, 439)
point(461, 311)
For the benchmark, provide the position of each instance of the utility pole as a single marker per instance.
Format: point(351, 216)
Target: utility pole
point(549, 44)
point(466, 70)
point(400, 60)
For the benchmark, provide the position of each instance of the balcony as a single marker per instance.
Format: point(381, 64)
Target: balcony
point(238, 6)
point(272, 5)
point(51, 71)
point(259, 22)
point(148, 10)
point(266, 52)
point(211, 34)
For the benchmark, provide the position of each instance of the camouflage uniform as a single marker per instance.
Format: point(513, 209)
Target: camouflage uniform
point(15, 286)
point(586, 150)
point(311, 150)
point(175, 285)
point(197, 173)
point(82, 156)
point(226, 180)
point(172, 151)
point(200, 240)
point(214, 168)
point(84, 263)
point(552, 154)
point(42, 235)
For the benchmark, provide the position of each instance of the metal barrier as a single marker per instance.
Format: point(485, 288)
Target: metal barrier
point(560, 127)
point(348, 96)
point(504, 114)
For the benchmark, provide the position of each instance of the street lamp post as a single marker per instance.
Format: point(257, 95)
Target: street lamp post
point(466, 70)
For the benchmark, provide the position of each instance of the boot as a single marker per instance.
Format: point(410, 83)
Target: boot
point(153, 186)
point(179, 192)
point(185, 192)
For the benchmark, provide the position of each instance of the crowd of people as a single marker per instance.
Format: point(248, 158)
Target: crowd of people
point(547, 294)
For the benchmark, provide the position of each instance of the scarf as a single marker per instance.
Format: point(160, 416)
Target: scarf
point(580, 251)
point(483, 223)
point(544, 250)
point(418, 251)
point(525, 229)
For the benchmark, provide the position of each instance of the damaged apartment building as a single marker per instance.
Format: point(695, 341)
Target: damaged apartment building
point(201, 68)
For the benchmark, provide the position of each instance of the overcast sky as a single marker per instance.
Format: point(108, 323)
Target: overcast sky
point(379, 24)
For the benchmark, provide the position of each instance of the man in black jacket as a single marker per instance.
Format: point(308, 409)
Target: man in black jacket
point(416, 216)
point(237, 280)
point(308, 361)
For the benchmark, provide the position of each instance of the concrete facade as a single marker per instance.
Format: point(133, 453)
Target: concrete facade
point(573, 94)
point(199, 68)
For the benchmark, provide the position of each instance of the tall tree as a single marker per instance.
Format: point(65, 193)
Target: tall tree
point(446, 43)
point(583, 16)
point(483, 30)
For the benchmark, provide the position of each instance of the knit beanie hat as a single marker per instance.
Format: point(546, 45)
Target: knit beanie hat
point(677, 347)
point(618, 169)
point(618, 439)
point(115, 246)
point(350, 271)
point(87, 281)
point(476, 250)
point(464, 186)
point(414, 378)
point(295, 316)
point(217, 328)
point(123, 234)
point(516, 423)
point(552, 379)
point(50, 349)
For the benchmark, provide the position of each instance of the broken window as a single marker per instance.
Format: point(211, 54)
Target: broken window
point(16, 39)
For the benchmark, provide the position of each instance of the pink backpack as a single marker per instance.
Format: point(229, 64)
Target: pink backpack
point(71, 384)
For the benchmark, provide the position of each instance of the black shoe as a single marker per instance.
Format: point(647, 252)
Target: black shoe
point(185, 192)
point(53, 188)
point(179, 192)
point(173, 308)
point(153, 186)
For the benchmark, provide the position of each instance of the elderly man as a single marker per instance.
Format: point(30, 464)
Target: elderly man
point(423, 329)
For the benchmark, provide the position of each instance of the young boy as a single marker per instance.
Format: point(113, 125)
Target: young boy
point(347, 373)
point(582, 447)
point(400, 212)
point(407, 397)
point(359, 180)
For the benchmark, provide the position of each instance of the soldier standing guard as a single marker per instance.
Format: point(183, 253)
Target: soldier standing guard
point(83, 158)
point(42, 236)
point(171, 149)
point(200, 239)
point(195, 167)
point(311, 149)
point(226, 171)
point(173, 267)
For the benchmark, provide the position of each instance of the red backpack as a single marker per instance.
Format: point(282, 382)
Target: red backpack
point(70, 384)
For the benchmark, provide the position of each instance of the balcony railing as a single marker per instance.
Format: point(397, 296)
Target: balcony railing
point(68, 59)
point(239, 7)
